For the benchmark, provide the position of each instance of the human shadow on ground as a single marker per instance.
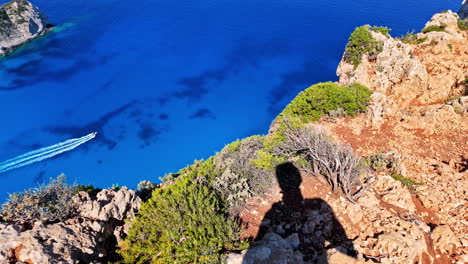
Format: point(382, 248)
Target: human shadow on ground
point(309, 225)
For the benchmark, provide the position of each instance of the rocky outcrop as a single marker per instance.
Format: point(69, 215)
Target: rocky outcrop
point(463, 13)
point(20, 22)
point(90, 237)
point(415, 74)
point(414, 211)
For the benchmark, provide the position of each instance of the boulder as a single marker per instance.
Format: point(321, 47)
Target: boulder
point(20, 22)
point(109, 204)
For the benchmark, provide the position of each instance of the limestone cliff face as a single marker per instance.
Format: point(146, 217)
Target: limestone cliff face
point(20, 22)
point(421, 74)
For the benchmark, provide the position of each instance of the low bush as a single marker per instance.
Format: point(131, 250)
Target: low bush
point(412, 38)
point(408, 182)
point(361, 42)
point(436, 28)
point(90, 189)
point(335, 162)
point(323, 98)
point(463, 24)
point(51, 202)
point(245, 171)
point(184, 222)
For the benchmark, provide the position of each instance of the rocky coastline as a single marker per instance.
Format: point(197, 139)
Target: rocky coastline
point(20, 22)
point(413, 137)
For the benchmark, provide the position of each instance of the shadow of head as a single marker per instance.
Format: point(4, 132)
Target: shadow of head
point(289, 180)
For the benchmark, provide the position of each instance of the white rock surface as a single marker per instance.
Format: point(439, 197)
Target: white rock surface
point(20, 22)
point(88, 238)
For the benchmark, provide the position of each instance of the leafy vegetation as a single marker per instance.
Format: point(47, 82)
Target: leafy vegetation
point(184, 222)
point(52, 202)
point(436, 28)
point(450, 46)
point(320, 99)
point(463, 24)
point(361, 42)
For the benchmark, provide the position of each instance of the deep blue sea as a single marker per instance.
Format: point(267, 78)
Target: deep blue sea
point(166, 82)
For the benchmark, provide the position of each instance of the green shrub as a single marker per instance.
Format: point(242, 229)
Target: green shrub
point(184, 222)
point(52, 202)
point(437, 28)
point(463, 24)
point(384, 30)
point(450, 46)
point(267, 160)
point(244, 172)
point(90, 189)
point(412, 38)
point(361, 42)
point(408, 182)
point(320, 99)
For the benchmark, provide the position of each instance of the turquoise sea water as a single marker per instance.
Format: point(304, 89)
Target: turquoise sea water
point(166, 82)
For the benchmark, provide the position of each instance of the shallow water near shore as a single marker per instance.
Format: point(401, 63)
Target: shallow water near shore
point(166, 82)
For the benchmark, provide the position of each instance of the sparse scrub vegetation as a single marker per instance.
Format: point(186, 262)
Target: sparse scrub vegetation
point(436, 28)
point(323, 98)
point(412, 38)
point(244, 172)
point(384, 30)
point(323, 156)
point(90, 189)
point(408, 182)
point(52, 202)
point(361, 42)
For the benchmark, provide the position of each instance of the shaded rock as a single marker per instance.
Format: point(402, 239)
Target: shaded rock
point(272, 249)
point(75, 241)
point(20, 22)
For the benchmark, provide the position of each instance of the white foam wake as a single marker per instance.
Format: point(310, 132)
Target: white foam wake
point(44, 153)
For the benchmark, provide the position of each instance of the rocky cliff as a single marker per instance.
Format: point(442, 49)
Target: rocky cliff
point(412, 209)
point(20, 22)
point(89, 237)
point(415, 208)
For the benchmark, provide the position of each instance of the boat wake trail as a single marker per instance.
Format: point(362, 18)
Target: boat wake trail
point(44, 153)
